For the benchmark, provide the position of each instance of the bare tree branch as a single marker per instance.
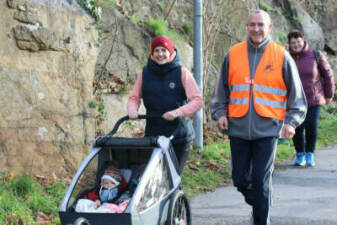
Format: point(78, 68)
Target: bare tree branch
point(169, 11)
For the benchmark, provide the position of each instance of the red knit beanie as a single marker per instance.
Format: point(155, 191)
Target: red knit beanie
point(163, 42)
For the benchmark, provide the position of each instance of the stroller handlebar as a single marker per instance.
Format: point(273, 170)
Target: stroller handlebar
point(125, 118)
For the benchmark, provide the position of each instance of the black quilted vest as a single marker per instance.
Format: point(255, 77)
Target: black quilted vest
point(163, 91)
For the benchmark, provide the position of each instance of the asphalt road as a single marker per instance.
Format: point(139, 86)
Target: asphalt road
point(301, 196)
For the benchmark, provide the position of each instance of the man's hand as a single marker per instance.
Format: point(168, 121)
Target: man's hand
point(288, 131)
point(222, 123)
point(170, 115)
point(133, 115)
point(328, 101)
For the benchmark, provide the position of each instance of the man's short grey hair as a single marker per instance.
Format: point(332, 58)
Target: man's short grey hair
point(260, 11)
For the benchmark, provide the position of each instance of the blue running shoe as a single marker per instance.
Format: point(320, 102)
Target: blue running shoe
point(300, 159)
point(310, 159)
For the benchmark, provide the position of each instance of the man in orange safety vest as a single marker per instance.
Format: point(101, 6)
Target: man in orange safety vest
point(257, 99)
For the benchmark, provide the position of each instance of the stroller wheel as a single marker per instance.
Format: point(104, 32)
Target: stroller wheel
point(81, 221)
point(179, 210)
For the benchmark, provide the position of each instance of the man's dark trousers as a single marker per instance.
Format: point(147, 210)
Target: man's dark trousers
point(252, 168)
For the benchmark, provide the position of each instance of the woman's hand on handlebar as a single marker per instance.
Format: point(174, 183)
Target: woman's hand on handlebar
point(133, 115)
point(170, 115)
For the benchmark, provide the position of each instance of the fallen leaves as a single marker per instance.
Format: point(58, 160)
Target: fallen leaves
point(111, 84)
point(192, 167)
point(196, 164)
point(44, 219)
point(41, 219)
point(46, 180)
point(13, 220)
point(118, 3)
point(212, 165)
point(204, 189)
point(137, 133)
point(213, 136)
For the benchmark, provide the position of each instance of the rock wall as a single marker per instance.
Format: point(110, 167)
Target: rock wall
point(325, 14)
point(48, 52)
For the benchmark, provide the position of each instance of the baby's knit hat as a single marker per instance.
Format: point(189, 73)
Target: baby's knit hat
point(163, 42)
point(113, 175)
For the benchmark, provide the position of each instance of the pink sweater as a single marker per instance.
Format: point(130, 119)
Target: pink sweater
point(192, 91)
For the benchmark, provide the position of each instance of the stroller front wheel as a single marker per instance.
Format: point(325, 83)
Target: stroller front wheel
point(81, 221)
point(179, 212)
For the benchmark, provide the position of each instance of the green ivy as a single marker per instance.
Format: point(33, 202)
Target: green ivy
point(106, 3)
point(135, 18)
point(265, 6)
point(282, 37)
point(92, 7)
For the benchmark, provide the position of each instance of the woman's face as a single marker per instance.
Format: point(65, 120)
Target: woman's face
point(296, 44)
point(161, 55)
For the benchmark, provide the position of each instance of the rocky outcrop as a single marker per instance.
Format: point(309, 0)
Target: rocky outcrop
point(126, 46)
point(48, 52)
point(329, 25)
point(325, 14)
point(311, 29)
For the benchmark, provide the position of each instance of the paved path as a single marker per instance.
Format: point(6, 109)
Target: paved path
point(302, 196)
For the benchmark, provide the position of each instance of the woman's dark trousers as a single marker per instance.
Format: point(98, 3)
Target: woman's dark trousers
point(182, 151)
point(306, 134)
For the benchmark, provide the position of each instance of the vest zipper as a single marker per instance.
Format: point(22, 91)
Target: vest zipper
point(252, 73)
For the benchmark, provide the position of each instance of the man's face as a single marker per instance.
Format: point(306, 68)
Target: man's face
point(258, 28)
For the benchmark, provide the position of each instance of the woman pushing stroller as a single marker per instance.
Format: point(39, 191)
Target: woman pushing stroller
point(168, 89)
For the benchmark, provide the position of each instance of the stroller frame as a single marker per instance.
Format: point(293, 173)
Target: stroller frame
point(172, 209)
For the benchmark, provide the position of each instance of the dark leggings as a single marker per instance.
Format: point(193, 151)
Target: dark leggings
point(182, 151)
point(306, 134)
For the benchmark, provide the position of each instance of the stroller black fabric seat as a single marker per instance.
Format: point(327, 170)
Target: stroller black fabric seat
point(108, 141)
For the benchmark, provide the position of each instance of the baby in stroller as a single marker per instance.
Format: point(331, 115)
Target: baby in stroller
point(105, 198)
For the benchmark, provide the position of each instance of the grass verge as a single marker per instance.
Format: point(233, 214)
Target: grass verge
point(23, 200)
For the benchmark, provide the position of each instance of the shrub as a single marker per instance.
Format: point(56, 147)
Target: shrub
point(188, 29)
point(159, 27)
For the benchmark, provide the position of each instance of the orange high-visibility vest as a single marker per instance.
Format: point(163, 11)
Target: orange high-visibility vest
point(268, 87)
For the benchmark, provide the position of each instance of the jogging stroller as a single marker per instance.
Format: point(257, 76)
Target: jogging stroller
point(156, 200)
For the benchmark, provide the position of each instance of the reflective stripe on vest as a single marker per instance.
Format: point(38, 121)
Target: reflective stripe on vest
point(269, 90)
